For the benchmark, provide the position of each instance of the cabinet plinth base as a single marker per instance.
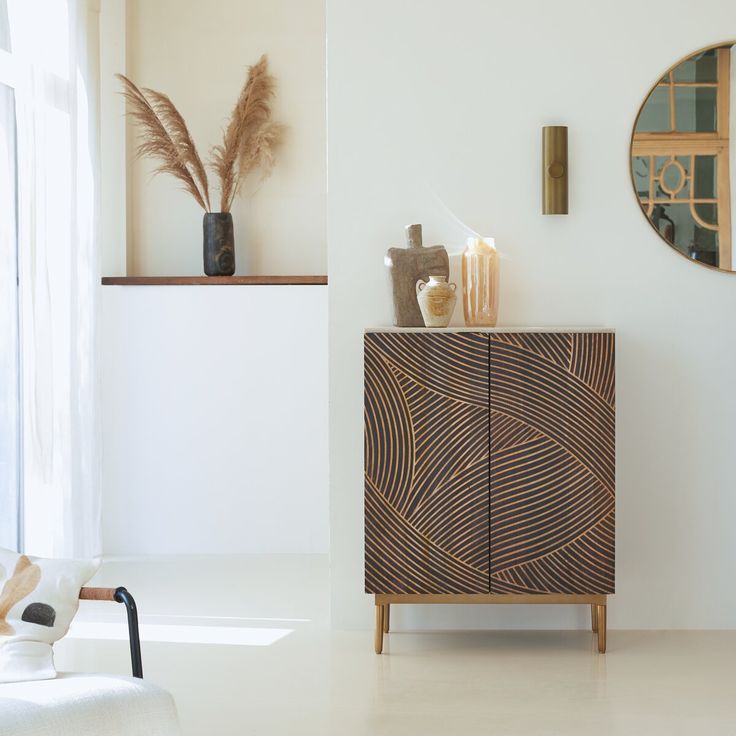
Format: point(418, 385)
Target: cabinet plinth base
point(598, 605)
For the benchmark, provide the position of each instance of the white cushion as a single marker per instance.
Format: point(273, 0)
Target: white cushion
point(38, 599)
point(87, 705)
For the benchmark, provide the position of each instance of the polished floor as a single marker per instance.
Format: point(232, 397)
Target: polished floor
point(245, 647)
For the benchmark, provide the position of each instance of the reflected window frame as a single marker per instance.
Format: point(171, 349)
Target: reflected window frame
point(675, 144)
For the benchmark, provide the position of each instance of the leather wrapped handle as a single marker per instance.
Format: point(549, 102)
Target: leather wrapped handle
point(121, 595)
point(97, 594)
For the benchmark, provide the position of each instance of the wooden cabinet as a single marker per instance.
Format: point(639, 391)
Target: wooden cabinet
point(489, 468)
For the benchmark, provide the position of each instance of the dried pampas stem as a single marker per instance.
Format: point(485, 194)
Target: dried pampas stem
point(250, 137)
point(174, 123)
point(165, 137)
point(248, 143)
point(259, 154)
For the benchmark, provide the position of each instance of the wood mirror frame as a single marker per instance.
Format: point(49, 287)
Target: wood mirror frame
point(676, 144)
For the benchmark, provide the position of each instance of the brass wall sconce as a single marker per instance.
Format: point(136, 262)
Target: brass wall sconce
point(554, 170)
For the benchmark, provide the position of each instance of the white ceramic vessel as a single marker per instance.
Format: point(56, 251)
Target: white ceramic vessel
point(436, 300)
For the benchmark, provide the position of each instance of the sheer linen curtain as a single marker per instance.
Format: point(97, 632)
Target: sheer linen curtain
point(9, 378)
point(56, 64)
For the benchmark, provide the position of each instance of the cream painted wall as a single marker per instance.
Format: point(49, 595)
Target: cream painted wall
point(450, 97)
point(198, 53)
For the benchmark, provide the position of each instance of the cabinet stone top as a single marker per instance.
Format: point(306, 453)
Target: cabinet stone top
point(491, 330)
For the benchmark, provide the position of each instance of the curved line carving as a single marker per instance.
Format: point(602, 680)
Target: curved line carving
point(426, 463)
point(489, 462)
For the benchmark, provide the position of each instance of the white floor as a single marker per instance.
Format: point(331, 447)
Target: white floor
point(244, 645)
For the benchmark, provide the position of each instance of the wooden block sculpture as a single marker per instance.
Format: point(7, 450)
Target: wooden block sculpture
point(406, 266)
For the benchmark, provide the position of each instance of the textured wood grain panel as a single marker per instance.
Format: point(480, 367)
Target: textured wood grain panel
point(552, 462)
point(426, 463)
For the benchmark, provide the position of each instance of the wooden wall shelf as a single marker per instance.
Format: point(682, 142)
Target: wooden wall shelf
point(214, 280)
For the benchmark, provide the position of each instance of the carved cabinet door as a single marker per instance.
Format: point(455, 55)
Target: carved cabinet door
point(552, 439)
point(426, 462)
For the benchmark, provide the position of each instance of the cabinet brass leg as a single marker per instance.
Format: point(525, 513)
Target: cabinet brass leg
point(378, 639)
point(594, 617)
point(386, 617)
point(601, 629)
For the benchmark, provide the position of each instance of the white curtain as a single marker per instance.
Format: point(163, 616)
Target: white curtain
point(9, 378)
point(56, 62)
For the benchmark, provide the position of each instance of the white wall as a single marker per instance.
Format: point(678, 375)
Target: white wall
point(453, 94)
point(197, 53)
point(214, 419)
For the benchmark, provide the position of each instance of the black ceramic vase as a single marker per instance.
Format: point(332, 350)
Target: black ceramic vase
point(219, 244)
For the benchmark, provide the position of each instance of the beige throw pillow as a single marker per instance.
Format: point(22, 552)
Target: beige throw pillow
point(38, 600)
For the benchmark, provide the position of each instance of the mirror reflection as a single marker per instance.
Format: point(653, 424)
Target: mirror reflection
point(681, 157)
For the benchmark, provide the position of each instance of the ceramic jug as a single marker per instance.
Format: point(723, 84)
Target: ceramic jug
point(436, 300)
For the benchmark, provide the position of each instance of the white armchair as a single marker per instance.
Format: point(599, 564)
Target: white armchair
point(87, 704)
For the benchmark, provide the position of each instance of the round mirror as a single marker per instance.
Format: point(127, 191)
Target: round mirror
point(681, 156)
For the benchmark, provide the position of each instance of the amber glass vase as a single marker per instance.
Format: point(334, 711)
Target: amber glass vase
point(480, 283)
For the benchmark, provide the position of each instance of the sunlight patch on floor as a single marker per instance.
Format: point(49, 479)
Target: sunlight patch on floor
point(244, 636)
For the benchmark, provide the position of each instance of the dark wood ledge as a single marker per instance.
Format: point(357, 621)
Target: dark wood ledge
point(214, 280)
